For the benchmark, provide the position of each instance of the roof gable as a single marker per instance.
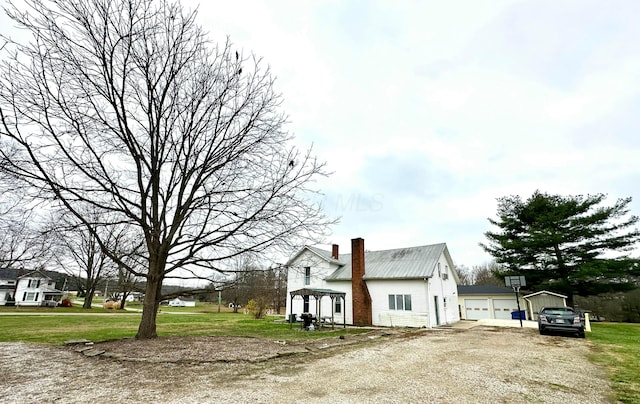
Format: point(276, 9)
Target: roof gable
point(544, 292)
point(399, 263)
point(35, 274)
point(323, 254)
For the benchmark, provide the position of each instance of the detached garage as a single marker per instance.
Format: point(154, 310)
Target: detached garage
point(477, 302)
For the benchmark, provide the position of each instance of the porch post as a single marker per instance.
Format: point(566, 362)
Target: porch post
point(332, 310)
point(291, 305)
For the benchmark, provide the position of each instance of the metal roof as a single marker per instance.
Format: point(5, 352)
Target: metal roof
point(399, 263)
point(318, 292)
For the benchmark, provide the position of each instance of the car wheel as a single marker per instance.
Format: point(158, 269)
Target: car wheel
point(581, 334)
point(541, 331)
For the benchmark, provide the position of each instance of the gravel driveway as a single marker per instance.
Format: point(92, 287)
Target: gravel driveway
point(477, 365)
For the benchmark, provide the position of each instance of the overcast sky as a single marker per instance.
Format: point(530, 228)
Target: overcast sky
point(427, 111)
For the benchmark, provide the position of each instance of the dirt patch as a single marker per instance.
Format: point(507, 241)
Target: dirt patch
point(213, 349)
point(391, 365)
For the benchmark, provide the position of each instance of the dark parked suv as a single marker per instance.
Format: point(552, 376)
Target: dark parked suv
point(560, 319)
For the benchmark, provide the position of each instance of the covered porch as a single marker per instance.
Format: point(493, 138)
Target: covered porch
point(318, 294)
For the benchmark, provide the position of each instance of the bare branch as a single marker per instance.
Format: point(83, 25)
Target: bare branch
point(127, 109)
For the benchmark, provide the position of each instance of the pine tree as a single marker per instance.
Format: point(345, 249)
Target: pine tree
point(568, 244)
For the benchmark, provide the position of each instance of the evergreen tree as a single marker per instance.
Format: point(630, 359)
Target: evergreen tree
point(568, 244)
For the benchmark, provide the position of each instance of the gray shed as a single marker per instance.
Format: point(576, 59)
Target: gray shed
point(536, 301)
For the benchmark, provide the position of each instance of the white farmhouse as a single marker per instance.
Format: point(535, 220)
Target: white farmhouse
point(36, 289)
point(414, 287)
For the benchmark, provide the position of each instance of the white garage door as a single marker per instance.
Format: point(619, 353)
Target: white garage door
point(502, 308)
point(476, 309)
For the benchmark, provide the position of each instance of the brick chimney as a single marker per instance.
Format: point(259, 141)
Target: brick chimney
point(334, 251)
point(359, 291)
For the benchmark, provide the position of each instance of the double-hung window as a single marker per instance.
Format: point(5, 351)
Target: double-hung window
point(337, 306)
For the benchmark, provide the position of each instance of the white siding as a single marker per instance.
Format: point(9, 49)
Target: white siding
point(422, 291)
point(320, 269)
point(380, 290)
point(443, 285)
point(30, 290)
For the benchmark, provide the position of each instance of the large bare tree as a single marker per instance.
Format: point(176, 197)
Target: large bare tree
point(126, 107)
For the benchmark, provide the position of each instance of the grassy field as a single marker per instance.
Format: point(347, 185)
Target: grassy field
point(618, 351)
point(100, 324)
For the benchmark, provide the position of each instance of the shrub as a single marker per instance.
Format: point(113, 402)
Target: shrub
point(66, 302)
point(111, 305)
point(256, 307)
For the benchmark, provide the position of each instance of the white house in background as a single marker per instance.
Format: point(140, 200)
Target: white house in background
point(36, 289)
point(479, 302)
point(132, 296)
point(414, 287)
point(8, 283)
point(182, 302)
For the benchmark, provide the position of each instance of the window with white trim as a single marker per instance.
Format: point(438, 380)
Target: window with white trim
point(400, 302)
point(337, 306)
point(307, 275)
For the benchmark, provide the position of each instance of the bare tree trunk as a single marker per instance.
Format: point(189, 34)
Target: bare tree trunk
point(88, 300)
point(152, 297)
point(123, 300)
point(147, 327)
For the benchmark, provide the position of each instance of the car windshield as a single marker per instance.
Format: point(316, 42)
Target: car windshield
point(558, 310)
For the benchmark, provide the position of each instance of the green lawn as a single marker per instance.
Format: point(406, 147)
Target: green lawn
point(101, 324)
point(618, 351)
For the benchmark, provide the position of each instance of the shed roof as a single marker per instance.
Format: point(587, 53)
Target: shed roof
point(400, 263)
